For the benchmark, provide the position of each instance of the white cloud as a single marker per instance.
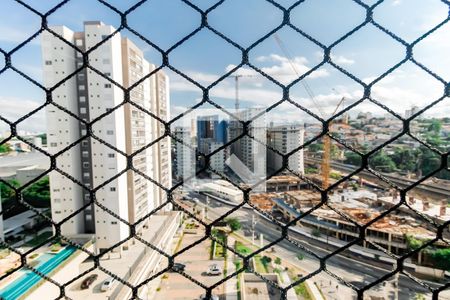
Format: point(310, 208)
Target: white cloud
point(14, 108)
point(396, 2)
point(342, 60)
point(17, 35)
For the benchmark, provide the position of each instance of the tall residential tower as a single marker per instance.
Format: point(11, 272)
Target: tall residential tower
point(126, 128)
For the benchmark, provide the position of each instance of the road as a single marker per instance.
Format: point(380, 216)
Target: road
point(351, 270)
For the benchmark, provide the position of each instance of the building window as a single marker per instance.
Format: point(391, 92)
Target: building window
point(82, 99)
point(86, 175)
point(111, 155)
point(106, 60)
point(109, 132)
point(82, 110)
point(48, 62)
point(107, 85)
point(81, 87)
point(53, 144)
point(85, 154)
point(79, 42)
point(112, 189)
point(114, 222)
point(85, 165)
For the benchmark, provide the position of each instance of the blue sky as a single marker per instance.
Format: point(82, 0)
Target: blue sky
point(205, 57)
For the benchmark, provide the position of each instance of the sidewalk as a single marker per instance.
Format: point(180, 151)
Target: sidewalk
point(231, 291)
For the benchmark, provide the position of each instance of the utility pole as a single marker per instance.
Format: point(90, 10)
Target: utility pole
point(207, 206)
point(236, 84)
point(253, 227)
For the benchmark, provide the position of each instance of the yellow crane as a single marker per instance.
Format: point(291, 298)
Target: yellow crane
point(325, 166)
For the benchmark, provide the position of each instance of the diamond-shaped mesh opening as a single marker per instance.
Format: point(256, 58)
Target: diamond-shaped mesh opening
point(319, 164)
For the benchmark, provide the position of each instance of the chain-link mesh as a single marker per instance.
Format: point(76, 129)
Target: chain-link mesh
point(285, 22)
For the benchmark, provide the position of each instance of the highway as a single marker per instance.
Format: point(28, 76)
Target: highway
point(353, 271)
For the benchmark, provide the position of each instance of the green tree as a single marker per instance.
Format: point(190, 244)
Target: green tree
point(277, 261)
point(435, 126)
point(315, 147)
point(442, 258)
point(6, 192)
point(382, 162)
point(38, 194)
point(429, 161)
point(5, 148)
point(234, 224)
point(352, 158)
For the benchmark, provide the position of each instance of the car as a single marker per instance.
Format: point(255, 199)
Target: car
point(213, 270)
point(86, 283)
point(178, 267)
point(107, 284)
point(213, 297)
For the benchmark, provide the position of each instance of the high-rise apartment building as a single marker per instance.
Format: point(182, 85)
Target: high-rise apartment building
point(285, 138)
point(211, 135)
point(184, 157)
point(251, 152)
point(125, 128)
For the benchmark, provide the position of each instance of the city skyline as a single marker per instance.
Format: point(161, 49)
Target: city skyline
point(235, 170)
point(408, 83)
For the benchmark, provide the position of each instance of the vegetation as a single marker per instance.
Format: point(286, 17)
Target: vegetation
point(219, 250)
point(5, 148)
point(234, 224)
point(241, 249)
point(300, 289)
point(37, 195)
point(309, 170)
point(300, 256)
point(316, 232)
point(277, 261)
point(419, 160)
point(441, 258)
point(413, 243)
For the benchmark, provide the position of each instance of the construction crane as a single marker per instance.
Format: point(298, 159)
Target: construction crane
point(236, 84)
point(325, 166)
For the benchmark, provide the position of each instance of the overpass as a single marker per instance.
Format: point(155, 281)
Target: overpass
point(424, 189)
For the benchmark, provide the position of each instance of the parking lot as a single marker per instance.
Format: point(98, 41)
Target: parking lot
point(175, 286)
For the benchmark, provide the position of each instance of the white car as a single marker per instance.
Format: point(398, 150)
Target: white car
point(213, 270)
point(107, 284)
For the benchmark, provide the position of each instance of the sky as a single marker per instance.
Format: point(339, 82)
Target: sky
point(206, 57)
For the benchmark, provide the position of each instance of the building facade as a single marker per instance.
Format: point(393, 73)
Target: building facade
point(125, 129)
point(285, 138)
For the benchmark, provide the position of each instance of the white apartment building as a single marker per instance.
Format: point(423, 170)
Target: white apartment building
point(184, 156)
point(89, 95)
point(250, 151)
point(285, 138)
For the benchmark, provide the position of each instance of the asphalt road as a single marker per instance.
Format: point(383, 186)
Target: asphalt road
point(352, 271)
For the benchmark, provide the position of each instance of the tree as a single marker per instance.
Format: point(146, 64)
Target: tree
point(352, 158)
point(435, 126)
point(277, 261)
point(6, 192)
point(316, 147)
point(38, 194)
point(234, 224)
point(383, 162)
point(5, 148)
point(442, 258)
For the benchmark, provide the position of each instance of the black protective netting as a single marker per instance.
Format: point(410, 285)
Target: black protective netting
point(285, 22)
